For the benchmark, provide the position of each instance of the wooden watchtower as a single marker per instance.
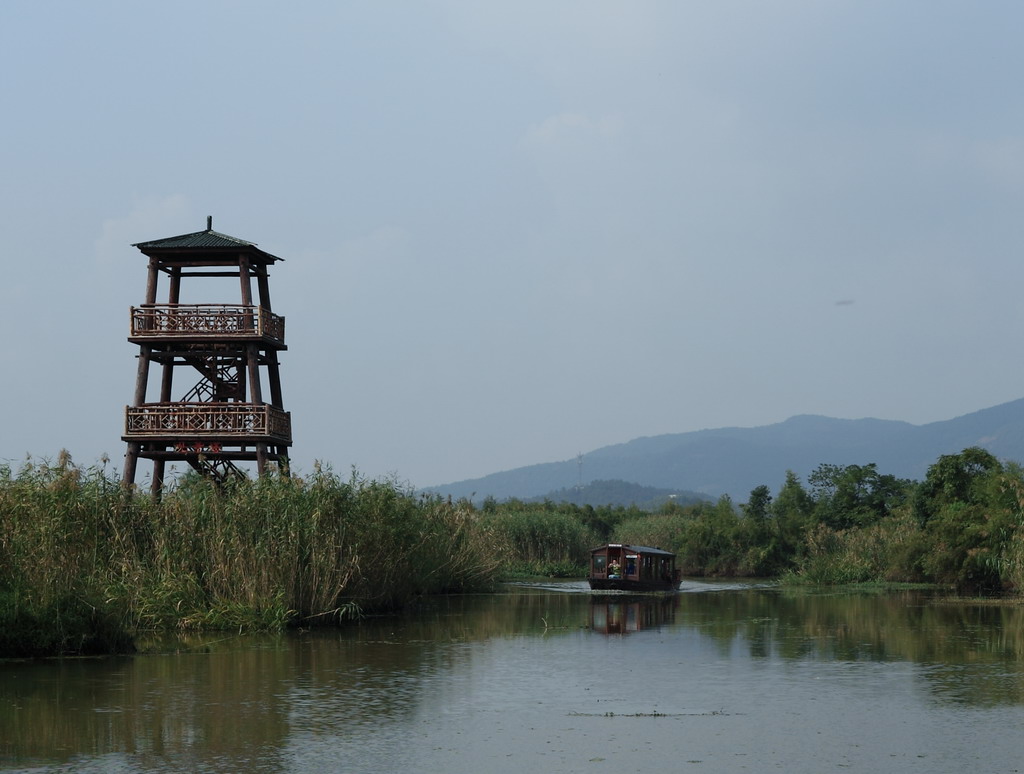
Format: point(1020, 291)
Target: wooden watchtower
point(223, 418)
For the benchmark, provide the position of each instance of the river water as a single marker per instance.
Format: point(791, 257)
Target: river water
point(550, 678)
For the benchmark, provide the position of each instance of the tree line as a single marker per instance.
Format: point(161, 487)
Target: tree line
point(959, 527)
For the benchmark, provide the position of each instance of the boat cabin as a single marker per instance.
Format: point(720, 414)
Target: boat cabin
point(623, 567)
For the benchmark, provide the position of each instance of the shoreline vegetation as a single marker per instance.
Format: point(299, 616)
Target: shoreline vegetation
point(86, 564)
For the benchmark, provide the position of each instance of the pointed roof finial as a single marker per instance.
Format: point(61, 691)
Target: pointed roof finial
point(209, 222)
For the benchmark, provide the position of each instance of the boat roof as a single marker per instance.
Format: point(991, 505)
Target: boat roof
point(631, 547)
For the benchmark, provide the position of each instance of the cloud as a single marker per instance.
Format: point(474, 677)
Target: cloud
point(150, 218)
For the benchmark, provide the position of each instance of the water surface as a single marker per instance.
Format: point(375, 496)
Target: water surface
point(719, 678)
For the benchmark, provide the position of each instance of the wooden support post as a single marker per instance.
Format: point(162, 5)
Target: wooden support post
point(261, 459)
point(256, 396)
point(242, 377)
point(141, 381)
point(174, 291)
point(151, 281)
point(243, 277)
point(274, 372)
point(263, 283)
point(166, 387)
point(157, 485)
point(131, 463)
point(252, 360)
point(173, 296)
point(142, 375)
point(131, 457)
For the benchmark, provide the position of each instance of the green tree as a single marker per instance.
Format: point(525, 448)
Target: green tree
point(969, 506)
point(854, 495)
point(759, 505)
point(954, 478)
point(706, 545)
point(792, 509)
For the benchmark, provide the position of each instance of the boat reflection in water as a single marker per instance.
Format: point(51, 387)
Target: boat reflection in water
point(626, 614)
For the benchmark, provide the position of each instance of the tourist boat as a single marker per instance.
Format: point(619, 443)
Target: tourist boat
point(622, 567)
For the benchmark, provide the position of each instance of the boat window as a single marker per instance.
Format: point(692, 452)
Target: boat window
point(599, 562)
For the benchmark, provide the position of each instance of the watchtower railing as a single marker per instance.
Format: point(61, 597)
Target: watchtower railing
point(190, 321)
point(226, 422)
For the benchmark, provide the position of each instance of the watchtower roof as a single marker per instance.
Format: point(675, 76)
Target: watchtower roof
point(204, 245)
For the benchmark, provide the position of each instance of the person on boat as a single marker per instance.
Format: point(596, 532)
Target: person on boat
point(614, 570)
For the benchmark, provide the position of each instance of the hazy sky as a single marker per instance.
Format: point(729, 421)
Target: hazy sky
point(517, 231)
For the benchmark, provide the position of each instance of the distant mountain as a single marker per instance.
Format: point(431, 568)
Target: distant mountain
point(734, 460)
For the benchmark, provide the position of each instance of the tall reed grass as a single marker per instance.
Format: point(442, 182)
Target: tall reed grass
point(540, 542)
point(259, 554)
point(887, 551)
point(663, 530)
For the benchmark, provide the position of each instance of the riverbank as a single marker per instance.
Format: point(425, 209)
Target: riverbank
point(85, 564)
